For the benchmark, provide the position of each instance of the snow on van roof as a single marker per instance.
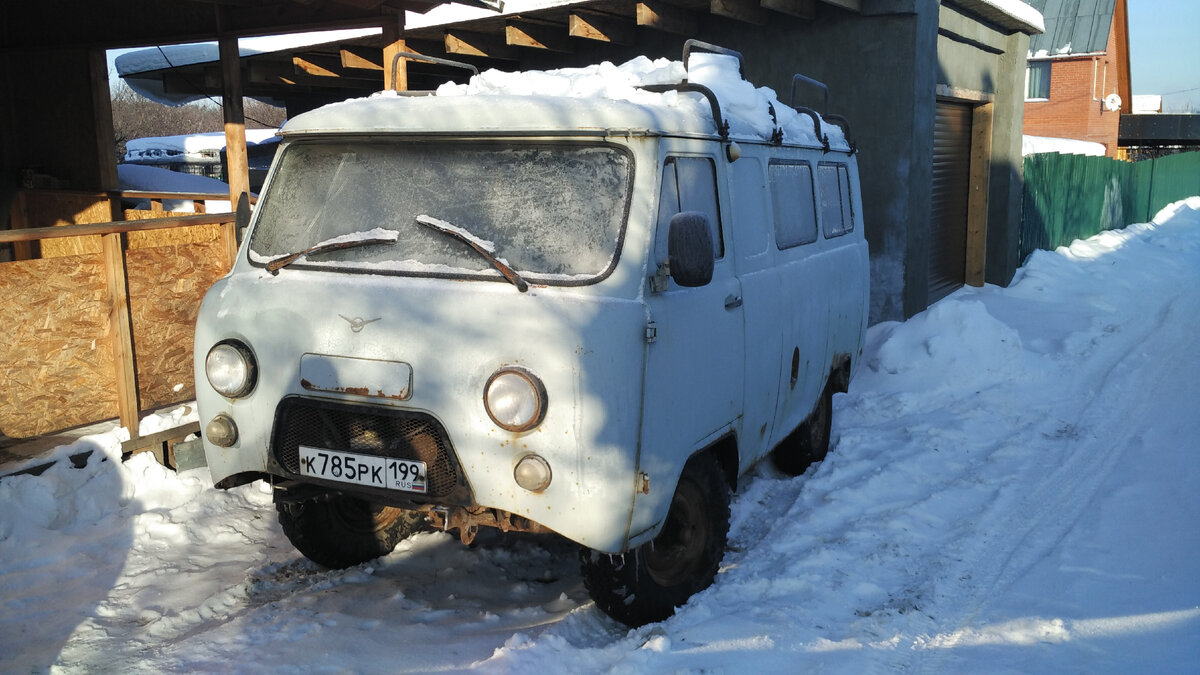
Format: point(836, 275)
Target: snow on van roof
point(602, 96)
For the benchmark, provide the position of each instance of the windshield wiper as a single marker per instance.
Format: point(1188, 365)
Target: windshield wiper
point(331, 245)
point(480, 246)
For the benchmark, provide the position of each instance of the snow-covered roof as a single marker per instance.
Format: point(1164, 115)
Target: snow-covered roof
point(152, 59)
point(189, 148)
point(599, 97)
point(1035, 145)
point(1014, 15)
point(1072, 27)
point(1144, 104)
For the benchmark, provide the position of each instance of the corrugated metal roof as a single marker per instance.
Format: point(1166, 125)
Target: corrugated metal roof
point(1072, 26)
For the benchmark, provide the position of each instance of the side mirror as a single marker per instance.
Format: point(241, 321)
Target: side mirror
point(690, 249)
point(242, 216)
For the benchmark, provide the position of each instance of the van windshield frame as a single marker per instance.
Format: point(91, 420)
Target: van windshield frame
point(554, 211)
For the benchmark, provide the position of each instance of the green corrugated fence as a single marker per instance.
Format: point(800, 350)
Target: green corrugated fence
point(1070, 197)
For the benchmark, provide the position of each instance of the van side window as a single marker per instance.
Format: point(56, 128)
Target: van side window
point(689, 184)
point(795, 207)
point(837, 216)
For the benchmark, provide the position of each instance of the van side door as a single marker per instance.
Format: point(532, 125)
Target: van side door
point(754, 260)
point(693, 379)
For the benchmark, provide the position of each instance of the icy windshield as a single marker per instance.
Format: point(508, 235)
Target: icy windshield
point(553, 212)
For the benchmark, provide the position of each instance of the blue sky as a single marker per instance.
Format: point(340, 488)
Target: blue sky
point(1164, 51)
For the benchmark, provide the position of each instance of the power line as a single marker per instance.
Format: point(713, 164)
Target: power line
point(1181, 91)
point(198, 90)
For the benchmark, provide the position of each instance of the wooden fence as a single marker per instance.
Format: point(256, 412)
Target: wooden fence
point(99, 308)
point(1070, 197)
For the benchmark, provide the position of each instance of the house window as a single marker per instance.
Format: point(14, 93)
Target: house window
point(1037, 81)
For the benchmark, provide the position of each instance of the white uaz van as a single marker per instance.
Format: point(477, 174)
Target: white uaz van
point(565, 314)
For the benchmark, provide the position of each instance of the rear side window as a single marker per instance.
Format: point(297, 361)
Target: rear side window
point(689, 184)
point(837, 215)
point(795, 207)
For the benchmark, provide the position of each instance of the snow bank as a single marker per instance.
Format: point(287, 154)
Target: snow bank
point(153, 179)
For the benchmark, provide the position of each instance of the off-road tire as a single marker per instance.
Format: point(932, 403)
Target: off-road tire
point(809, 443)
point(647, 584)
point(338, 531)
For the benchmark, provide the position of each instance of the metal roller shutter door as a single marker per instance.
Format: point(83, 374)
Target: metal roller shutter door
point(951, 187)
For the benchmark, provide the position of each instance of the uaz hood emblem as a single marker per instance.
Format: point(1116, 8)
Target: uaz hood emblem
point(357, 323)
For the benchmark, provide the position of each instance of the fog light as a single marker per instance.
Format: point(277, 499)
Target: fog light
point(221, 431)
point(532, 473)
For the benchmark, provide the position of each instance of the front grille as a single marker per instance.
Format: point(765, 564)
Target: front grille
point(366, 430)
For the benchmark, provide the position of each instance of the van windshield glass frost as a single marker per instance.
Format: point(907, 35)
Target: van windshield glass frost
point(554, 212)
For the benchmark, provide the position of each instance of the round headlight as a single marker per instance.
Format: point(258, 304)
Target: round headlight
point(515, 399)
point(231, 369)
point(221, 431)
point(532, 473)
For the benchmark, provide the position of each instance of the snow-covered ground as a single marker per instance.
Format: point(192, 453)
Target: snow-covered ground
point(1015, 487)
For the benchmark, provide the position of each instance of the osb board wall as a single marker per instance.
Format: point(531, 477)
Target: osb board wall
point(56, 358)
point(197, 234)
point(166, 285)
point(54, 208)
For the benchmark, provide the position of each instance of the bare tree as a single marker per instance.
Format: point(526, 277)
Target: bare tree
point(135, 116)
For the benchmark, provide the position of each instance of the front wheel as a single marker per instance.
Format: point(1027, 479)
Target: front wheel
point(339, 531)
point(647, 584)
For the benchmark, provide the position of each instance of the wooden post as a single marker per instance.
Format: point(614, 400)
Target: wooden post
point(121, 332)
point(977, 198)
point(393, 44)
point(237, 162)
point(106, 153)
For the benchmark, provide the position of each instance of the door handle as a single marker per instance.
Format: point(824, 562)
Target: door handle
point(733, 301)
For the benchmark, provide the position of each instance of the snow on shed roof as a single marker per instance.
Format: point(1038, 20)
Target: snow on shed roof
point(187, 147)
point(1072, 27)
point(598, 97)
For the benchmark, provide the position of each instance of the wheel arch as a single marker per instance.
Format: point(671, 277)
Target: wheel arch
point(839, 373)
point(725, 450)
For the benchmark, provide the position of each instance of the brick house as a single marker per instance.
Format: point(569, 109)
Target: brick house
point(1077, 77)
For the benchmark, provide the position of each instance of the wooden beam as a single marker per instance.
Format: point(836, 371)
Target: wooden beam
point(804, 9)
point(92, 229)
point(121, 331)
point(748, 11)
point(362, 58)
point(23, 249)
point(977, 198)
point(531, 35)
point(852, 5)
point(237, 163)
point(600, 27)
point(309, 65)
point(667, 18)
point(393, 43)
point(468, 43)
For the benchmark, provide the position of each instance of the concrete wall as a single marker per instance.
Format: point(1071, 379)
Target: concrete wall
point(881, 71)
point(979, 64)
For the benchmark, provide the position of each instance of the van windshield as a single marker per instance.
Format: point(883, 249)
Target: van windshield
point(554, 212)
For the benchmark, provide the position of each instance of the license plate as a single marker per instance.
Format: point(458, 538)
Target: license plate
point(369, 470)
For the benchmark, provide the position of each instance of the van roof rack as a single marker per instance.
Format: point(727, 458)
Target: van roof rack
point(828, 116)
point(723, 124)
